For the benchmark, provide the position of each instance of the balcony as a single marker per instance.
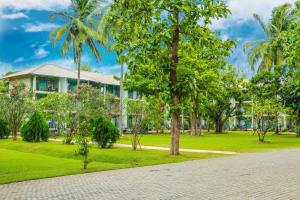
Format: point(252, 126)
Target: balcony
point(47, 84)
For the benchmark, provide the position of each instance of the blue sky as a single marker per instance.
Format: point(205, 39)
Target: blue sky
point(24, 30)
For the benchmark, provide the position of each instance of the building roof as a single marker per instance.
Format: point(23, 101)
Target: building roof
point(57, 71)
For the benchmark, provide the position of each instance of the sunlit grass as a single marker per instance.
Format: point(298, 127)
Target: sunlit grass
point(25, 161)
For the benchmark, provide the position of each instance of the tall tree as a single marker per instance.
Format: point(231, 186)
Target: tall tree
point(169, 32)
point(80, 29)
point(267, 52)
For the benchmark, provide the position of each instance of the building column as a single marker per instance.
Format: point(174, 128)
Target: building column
point(59, 85)
point(63, 85)
point(34, 86)
point(284, 122)
point(124, 118)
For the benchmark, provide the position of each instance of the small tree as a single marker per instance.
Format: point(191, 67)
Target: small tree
point(219, 105)
point(4, 129)
point(264, 116)
point(36, 129)
point(15, 106)
point(83, 134)
point(60, 108)
point(104, 132)
point(139, 111)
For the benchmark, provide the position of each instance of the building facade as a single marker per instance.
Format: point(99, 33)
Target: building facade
point(49, 78)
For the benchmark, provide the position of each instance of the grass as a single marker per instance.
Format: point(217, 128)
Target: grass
point(238, 141)
point(21, 161)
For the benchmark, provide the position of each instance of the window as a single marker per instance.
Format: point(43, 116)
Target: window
point(47, 84)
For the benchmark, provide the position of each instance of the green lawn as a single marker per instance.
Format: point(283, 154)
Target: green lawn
point(238, 141)
point(21, 161)
point(25, 161)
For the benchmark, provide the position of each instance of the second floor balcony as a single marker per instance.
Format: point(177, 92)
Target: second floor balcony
point(47, 84)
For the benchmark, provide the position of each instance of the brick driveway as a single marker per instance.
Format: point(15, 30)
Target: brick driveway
point(272, 175)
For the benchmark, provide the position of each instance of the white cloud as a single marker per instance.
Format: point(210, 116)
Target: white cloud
point(243, 10)
point(42, 27)
point(20, 59)
point(66, 63)
point(40, 53)
point(17, 15)
point(114, 69)
point(34, 4)
point(4, 67)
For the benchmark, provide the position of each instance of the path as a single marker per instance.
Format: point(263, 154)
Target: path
point(167, 149)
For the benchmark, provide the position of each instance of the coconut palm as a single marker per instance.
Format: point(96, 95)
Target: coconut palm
point(80, 29)
point(267, 52)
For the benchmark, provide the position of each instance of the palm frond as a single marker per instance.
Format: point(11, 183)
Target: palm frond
point(59, 33)
point(62, 15)
point(66, 45)
point(92, 47)
point(262, 24)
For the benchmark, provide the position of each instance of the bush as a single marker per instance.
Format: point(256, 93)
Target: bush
point(104, 132)
point(36, 129)
point(298, 130)
point(4, 130)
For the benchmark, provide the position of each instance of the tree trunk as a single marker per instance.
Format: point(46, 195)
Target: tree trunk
point(78, 67)
point(174, 92)
point(78, 81)
point(121, 98)
point(194, 130)
point(85, 161)
point(14, 134)
point(277, 126)
point(200, 125)
point(208, 126)
point(298, 126)
point(219, 125)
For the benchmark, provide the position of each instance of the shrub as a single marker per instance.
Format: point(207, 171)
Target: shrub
point(298, 130)
point(104, 132)
point(4, 130)
point(36, 129)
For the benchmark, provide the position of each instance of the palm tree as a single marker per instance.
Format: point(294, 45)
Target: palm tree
point(267, 52)
point(80, 29)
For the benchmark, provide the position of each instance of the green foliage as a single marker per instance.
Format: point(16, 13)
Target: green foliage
point(290, 38)
point(93, 103)
point(218, 104)
point(104, 132)
point(60, 107)
point(267, 53)
point(3, 86)
point(83, 134)
point(165, 44)
point(4, 129)
point(36, 129)
point(57, 107)
point(290, 93)
point(80, 30)
point(16, 106)
point(265, 114)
